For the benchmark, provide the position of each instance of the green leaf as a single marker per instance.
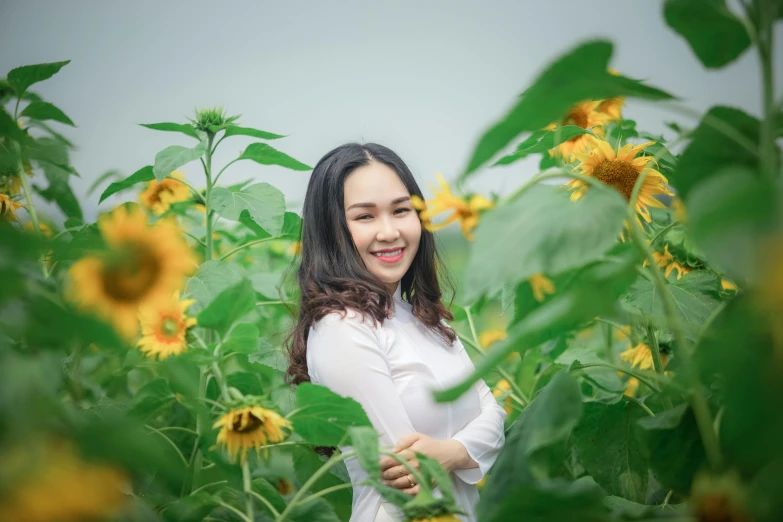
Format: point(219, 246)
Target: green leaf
point(236, 130)
point(184, 128)
point(109, 174)
point(322, 417)
point(608, 448)
point(172, 158)
point(211, 278)
point(696, 296)
point(555, 501)
point(593, 291)
point(267, 155)
point(306, 463)
point(580, 75)
point(534, 445)
point(715, 35)
point(140, 176)
point(263, 202)
point(364, 440)
point(243, 338)
point(711, 150)
point(580, 351)
point(8, 127)
point(559, 234)
point(269, 492)
point(23, 77)
point(270, 356)
point(292, 226)
point(46, 111)
point(671, 443)
point(542, 141)
point(231, 304)
point(151, 399)
point(59, 189)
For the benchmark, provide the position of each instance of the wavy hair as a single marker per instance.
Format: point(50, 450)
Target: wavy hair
point(331, 275)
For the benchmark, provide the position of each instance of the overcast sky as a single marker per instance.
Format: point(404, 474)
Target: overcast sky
point(422, 77)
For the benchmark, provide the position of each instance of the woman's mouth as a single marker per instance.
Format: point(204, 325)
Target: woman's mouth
point(389, 255)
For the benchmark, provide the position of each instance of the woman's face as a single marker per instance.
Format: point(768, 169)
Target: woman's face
point(384, 226)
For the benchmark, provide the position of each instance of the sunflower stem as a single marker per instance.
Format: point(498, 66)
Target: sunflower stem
point(655, 350)
point(30, 205)
point(198, 461)
point(208, 198)
point(247, 486)
point(334, 460)
point(641, 378)
point(764, 43)
point(245, 245)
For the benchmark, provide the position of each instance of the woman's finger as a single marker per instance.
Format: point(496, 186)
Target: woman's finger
point(412, 491)
point(394, 473)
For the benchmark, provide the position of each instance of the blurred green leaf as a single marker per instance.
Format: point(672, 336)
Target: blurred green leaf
point(172, 158)
point(608, 448)
point(141, 175)
point(184, 128)
point(292, 226)
point(151, 400)
point(109, 174)
point(542, 141)
point(229, 305)
point(555, 501)
point(264, 203)
point(306, 463)
point(582, 74)
point(236, 130)
point(269, 492)
point(270, 356)
point(715, 35)
point(211, 278)
point(322, 417)
point(242, 338)
point(23, 77)
point(192, 508)
point(46, 111)
point(59, 191)
point(8, 127)
point(671, 444)
point(267, 155)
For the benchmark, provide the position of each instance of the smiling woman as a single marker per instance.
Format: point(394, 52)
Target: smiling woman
point(372, 328)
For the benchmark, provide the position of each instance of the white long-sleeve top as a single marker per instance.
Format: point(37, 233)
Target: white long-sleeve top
point(391, 370)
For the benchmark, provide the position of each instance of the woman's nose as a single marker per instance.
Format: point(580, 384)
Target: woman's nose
point(387, 231)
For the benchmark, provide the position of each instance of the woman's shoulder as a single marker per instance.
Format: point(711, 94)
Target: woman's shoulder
point(348, 319)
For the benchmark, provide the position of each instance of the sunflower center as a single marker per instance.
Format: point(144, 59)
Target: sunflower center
point(169, 327)
point(130, 273)
point(619, 174)
point(253, 423)
point(576, 117)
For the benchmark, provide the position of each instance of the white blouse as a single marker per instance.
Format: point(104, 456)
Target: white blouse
point(391, 370)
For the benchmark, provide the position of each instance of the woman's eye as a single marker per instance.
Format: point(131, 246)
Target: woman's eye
point(364, 216)
point(402, 210)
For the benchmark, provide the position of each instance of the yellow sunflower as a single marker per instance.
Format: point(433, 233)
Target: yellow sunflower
point(613, 107)
point(541, 285)
point(640, 356)
point(489, 337)
point(586, 115)
point(631, 386)
point(248, 427)
point(503, 387)
point(728, 285)
point(58, 485)
point(142, 265)
point(666, 260)
point(8, 208)
point(620, 170)
point(159, 195)
point(163, 327)
point(466, 211)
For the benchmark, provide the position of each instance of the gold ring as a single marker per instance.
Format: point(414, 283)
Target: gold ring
point(410, 480)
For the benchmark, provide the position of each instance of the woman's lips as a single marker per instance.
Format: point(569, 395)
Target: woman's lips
point(389, 256)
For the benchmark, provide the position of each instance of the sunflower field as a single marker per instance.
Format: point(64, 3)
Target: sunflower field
point(625, 304)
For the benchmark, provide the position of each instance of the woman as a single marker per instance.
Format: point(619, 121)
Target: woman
point(371, 327)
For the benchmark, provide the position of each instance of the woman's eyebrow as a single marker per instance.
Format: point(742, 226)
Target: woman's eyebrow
point(373, 205)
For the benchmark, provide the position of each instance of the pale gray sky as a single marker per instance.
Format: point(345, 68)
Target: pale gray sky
point(422, 77)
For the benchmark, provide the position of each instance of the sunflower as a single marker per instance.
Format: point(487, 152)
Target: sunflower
point(728, 285)
point(163, 327)
point(502, 387)
point(631, 385)
point(585, 115)
point(159, 195)
point(58, 485)
point(666, 260)
point(8, 208)
point(491, 336)
point(541, 285)
point(641, 357)
point(620, 170)
point(467, 211)
point(613, 107)
point(46, 230)
point(248, 427)
point(142, 265)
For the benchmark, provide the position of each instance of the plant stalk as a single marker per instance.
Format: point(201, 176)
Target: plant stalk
point(247, 485)
point(208, 198)
point(764, 44)
point(655, 350)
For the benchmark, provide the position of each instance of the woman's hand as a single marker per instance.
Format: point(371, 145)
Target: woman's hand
point(450, 454)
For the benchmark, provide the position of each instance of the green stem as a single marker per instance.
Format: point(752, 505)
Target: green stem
point(268, 504)
point(655, 350)
point(235, 510)
point(208, 198)
point(224, 168)
point(31, 209)
point(641, 405)
point(273, 303)
point(205, 486)
point(171, 443)
point(247, 485)
point(194, 238)
point(765, 33)
point(609, 343)
point(198, 462)
point(191, 187)
point(663, 231)
point(336, 459)
point(642, 379)
point(325, 492)
point(221, 382)
point(244, 246)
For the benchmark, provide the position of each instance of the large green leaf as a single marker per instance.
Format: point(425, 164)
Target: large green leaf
point(231, 304)
point(608, 448)
point(191, 508)
point(670, 441)
point(322, 417)
point(592, 291)
point(46, 111)
point(715, 35)
point(140, 176)
point(184, 128)
point(725, 137)
point(151, 399)
point(264, 204)
point(8, 127)
point(555, 501)
point(236, 130)
point(542, 141)
point(268, 155)
point(270, 356)
point(171, 158)
point(292, 226)
point(243, 338)
point(696, 296)
point(534, 446)
point(582, 74)
point(211, 278)
point(542, 231)
point(306, 463)
point(23, 77)
point(269, 492)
